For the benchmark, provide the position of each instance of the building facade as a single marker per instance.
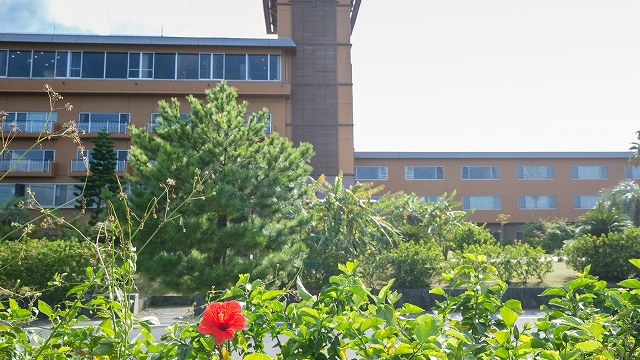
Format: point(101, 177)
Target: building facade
point(303, 76)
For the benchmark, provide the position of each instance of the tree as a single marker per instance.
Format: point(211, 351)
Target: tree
point(601, 221)
point(102, 181)
point(243, 189)
point(635, 147)
point(624, 197)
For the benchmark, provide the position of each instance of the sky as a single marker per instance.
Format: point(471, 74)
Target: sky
point(428, 75)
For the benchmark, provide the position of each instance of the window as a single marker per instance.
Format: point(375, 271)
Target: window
point(235, 67)
point(585, 201)
point(274, 67)
point(164, 66)
point(4, 59)
point(589, 173)
point(114, 123)
point(117, 65)
point(44, 63)
point(535, 173)
point(423, 173)
point(68, 64)
point(121, 160)
point(519, 235)
point(153, 122)
point(7, 191)
point(632, 172)
point(480, 173)
point(371, 173)
point(212, 66)
point(19, 64)
point(481, 202)
point(431, 199)
point(27, 160)
point(141, 65)
point(54, 195)
point(93, 65)
point(536, 202)
point(187, 66)
point(258, 67)
point(29, 122)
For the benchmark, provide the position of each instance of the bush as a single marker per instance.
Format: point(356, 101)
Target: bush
point(550, 235)
point(413, 264)
point(515, 264)
point(608, 255)
point(469, 234)
point(28, 265)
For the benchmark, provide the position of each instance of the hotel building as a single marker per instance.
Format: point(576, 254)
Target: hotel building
point(303, 76)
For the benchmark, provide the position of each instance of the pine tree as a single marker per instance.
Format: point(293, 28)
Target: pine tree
point(102, 181)
point(248, 186)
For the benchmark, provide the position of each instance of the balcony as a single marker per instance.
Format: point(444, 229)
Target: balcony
point(92, 128)
point(27, 168)
point(29, 128)
point(78, 168)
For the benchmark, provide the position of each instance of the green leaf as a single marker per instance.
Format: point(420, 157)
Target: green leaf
point(426, 327)
point(635, 262)
point(408, 308)
point(304, 294)
point(437, 291)
point(508, 316)
point(588, 346)
point(257, 357)
point(44, 308)
point(554, 292)
point(404, 349)
point(630, 283)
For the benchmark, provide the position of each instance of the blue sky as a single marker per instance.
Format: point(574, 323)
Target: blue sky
point(449, 75)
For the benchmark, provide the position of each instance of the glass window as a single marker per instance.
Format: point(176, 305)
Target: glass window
point(64, 195)
point(187, 66)
point(258, 67)
point(235, 67)
point(532, 202)
point(371, 173)
point(7, 191)
point(585, 201)
point(217, 68)
point(29, 122)
point(114, 123)
point(535, 173)
point(589, 173)
point(75, 64)
point(205, 66)
point(274, 67)
point(141, 65)
point(43, 64)
point(164, 66)
point(43, 194)
point(117, 64)
point(134, 65)
point(62, 63)
point(431, 199)
point(19, 63)
point(480, 173)
point(3, 62)
point(481, 202)
point(632, 172)
point(93, 65)
point(424, 173)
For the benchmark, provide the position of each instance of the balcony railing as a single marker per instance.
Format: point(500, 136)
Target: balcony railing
point(112, 127)
point(25, 165)
point(27, 126)
point(79, 166)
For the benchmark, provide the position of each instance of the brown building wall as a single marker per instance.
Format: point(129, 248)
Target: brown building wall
point(508, 187)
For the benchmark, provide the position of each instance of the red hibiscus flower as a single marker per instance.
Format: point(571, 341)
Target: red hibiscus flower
point(222, 320)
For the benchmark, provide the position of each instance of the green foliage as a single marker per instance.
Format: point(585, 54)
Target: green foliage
point(102, 182)
point(607, 255)
point(551, 235)
point(12, 215)
point(468, 234)
point(241, 186)
point(411, 264)
point(515, 264)
point(625, 198)
point(29, 265)
point(601, 221)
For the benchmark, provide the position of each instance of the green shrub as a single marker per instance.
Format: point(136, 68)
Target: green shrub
point(550, 235)
point(469, 234)
point(608, 255)
point(29, 265)
point(414, 264)
point(515, 264)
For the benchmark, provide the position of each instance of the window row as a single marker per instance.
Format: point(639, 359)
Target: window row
point(39, 161)
point(492, 172)
point(139, 65)
point(113, 123)
point(46, 195)
point(525, 202)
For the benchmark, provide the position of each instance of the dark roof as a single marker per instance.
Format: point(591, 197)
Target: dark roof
point(494, 155)
point(145, 40)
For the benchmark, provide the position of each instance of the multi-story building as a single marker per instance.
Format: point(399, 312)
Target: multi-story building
point(303, 77)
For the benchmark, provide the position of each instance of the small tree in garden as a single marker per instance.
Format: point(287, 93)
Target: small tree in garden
point(246, 188)
point(102, 180)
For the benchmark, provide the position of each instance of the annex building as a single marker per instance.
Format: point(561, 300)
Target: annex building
point(303, 76)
